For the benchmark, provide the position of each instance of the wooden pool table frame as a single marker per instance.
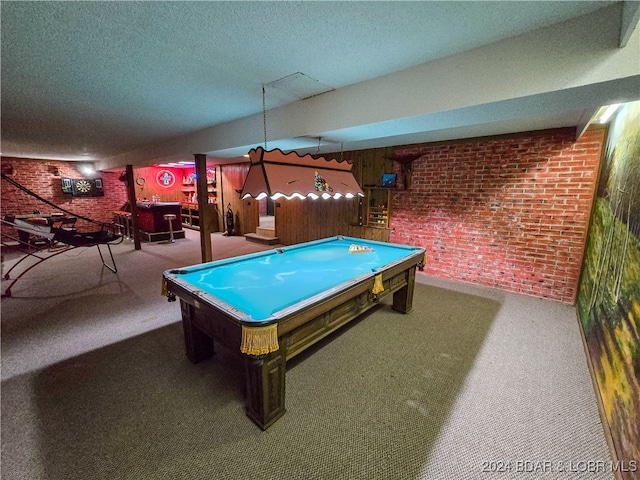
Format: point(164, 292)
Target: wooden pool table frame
point(204, 322)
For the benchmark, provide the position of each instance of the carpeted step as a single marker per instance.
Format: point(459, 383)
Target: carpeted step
point(265, 240)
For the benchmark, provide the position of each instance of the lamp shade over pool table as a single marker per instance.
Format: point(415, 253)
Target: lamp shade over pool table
point(276, 174)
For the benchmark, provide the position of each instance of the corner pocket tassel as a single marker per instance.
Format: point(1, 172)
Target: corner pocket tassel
point(377, 284)
point(259, 340)
point(164, 289)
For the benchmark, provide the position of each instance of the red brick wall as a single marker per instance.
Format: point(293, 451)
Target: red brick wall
point(509, 213)
point(40, 176)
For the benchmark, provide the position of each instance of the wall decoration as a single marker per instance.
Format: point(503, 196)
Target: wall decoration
point(82, 187)
point(320, 184)
point(67, 186)
point(165, 178)
point(389, 180)
point(9, 169)
point(211, 176)
point(609, 296)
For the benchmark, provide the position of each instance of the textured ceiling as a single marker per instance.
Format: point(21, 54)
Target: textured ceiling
point(104, 80)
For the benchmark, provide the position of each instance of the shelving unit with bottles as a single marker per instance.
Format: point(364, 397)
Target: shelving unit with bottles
point(190, 215)
point(189, 190)
point(378, 206)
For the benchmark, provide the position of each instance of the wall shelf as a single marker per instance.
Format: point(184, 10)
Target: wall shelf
point(377, 206)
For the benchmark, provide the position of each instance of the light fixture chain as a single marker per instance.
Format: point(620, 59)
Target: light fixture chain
point(264, 117)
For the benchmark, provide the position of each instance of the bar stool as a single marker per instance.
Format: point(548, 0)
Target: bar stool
point(128, 224)
point(170, 217)
point(123, 222)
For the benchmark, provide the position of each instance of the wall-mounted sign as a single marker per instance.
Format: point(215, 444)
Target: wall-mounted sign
point(165, 178)
point(82, 187)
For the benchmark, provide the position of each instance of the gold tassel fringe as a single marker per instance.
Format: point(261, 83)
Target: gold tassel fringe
point(259, 340)
point(377, 285)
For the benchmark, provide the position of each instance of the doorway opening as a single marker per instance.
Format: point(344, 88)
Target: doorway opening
point(266, 230)
point(267, 214)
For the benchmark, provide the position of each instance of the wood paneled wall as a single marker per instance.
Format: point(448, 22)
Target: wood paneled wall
point(305, 220)
point(368, 165)
point(151, 186)
point(245, 212)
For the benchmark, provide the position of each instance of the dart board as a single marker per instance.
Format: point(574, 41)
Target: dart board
point(83, 187)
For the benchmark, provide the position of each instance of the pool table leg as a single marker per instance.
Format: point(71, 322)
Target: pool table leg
point(198, 345)
point(403, 298)
point(265, 380)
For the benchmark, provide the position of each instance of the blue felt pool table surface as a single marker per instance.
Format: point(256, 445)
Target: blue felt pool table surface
point(263, 284)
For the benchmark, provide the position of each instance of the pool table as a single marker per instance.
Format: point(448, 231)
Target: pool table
point(272, 305)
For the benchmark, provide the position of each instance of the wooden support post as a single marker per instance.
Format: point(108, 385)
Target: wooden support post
point(131, 195)
point(205, 210)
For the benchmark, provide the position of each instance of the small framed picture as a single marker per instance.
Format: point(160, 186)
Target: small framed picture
point(67, 186)
point(389, 180)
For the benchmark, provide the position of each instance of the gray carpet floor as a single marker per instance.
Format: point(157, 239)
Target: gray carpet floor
point(472, 384)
